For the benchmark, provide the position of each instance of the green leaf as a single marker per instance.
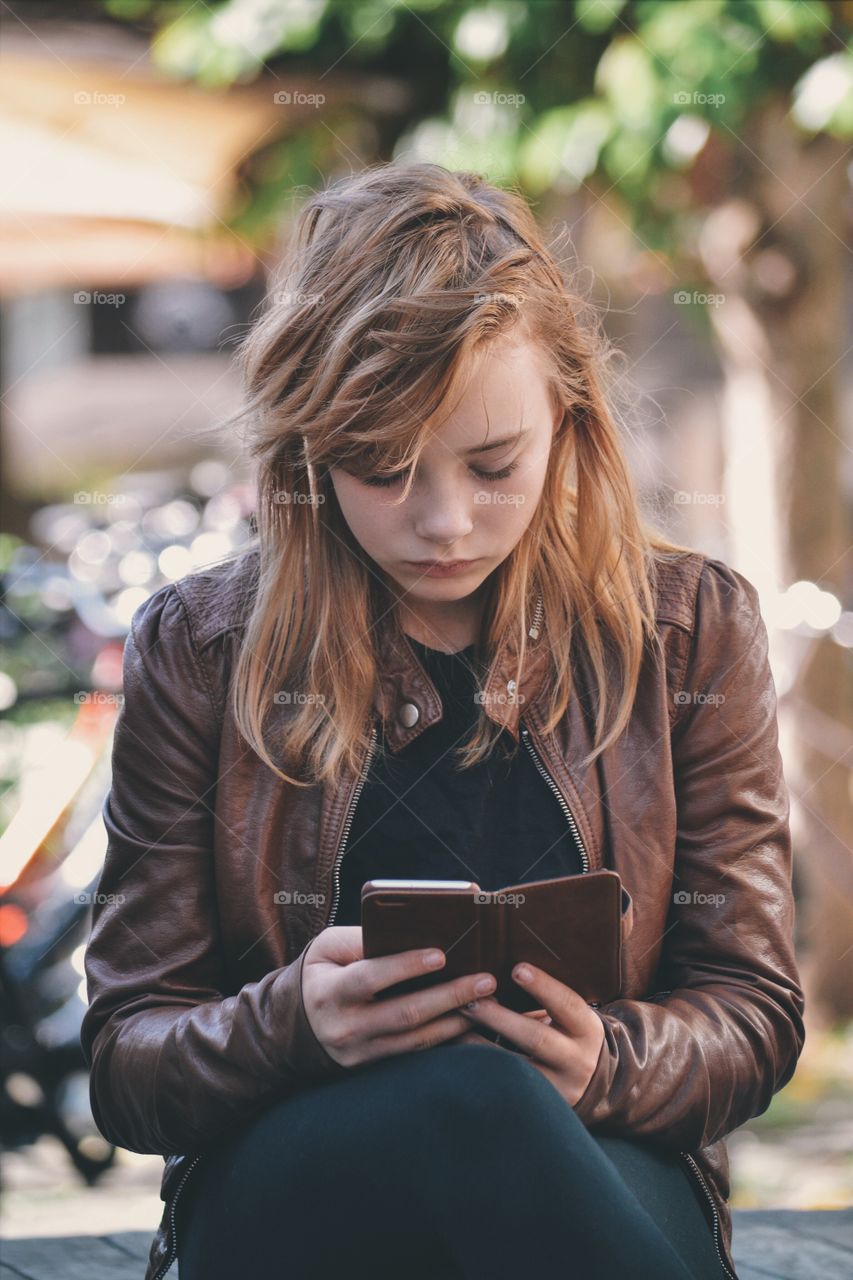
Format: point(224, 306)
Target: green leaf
point(626, 77)
point(794, 21)
point(596, 16)
point(565, 144)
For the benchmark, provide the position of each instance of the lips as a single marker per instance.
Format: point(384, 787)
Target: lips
point(439, 564)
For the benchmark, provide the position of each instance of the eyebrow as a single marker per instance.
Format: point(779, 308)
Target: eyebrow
point(498, 444)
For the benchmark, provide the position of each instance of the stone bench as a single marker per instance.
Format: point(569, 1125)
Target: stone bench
point(769, 1244)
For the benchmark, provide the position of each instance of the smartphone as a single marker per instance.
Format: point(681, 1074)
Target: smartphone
point(572, 927)
point(405, 915)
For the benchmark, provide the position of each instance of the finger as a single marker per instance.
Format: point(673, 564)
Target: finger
point(568, 1009)
point(401, 1013)
point(363, 980)
point(341, 944)
point(532, 1036)
point(440, 1030)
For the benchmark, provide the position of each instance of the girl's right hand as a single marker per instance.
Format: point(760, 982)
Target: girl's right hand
point(338, 986)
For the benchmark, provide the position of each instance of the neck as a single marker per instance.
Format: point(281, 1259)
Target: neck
point(448, 626)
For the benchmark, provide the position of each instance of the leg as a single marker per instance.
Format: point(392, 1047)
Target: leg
point(660, 1181)
point(462, 1158)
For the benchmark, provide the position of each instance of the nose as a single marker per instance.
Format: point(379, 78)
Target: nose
point(443, 519)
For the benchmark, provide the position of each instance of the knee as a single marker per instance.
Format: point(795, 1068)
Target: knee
point(471, 1084)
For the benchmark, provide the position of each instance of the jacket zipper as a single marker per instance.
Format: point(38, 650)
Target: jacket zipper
point(173, 1249)
point(570, 817)
point(345, 836)
point(525, 733)
point(173, 1231)
point(703, 1184)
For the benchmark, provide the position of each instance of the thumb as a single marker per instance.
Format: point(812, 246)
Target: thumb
point(339, 944)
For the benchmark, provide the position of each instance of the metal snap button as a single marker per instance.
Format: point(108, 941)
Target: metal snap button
point(511, 686)
point(409, 714)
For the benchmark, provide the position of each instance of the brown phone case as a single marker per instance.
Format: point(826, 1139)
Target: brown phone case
point(572, 927)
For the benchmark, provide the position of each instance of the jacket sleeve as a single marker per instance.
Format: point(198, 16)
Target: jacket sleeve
point(686, 1069)
point(175, 1057)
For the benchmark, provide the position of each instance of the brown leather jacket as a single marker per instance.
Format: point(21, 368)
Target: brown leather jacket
point(218, 876)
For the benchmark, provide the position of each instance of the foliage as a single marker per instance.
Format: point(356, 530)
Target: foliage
point(649, 99)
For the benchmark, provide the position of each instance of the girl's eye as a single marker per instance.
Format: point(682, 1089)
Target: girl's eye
point(384, 482)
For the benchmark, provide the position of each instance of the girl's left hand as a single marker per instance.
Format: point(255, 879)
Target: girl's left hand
point(565, 1047)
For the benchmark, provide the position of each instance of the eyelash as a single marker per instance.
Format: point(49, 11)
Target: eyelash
point(385, 482)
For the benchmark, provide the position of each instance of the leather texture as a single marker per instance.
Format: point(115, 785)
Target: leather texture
point(569, 926)
point(218, 876)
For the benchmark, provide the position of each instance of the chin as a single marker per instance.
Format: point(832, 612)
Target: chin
point(445, 588)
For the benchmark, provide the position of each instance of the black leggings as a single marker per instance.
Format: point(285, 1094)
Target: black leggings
point(460, 1161)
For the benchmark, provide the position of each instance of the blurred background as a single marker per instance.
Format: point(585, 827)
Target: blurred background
point(154, 155)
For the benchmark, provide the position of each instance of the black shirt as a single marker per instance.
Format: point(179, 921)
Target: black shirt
point(421, 817)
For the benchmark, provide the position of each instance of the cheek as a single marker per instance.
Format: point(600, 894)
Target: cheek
point(370, 520)
point(513, 509)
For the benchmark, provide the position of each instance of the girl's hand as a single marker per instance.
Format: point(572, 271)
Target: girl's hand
point(565, 1046)
point(339, 988)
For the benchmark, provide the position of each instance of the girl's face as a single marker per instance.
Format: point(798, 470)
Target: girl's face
point(471, 500)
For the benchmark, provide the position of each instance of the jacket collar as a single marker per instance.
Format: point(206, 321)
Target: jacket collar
point(408, 702)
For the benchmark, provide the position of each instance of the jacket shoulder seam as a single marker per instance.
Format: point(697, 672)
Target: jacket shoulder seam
point(677, 598)
point(196, 651)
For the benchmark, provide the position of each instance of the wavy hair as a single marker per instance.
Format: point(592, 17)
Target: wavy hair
point(396, 276)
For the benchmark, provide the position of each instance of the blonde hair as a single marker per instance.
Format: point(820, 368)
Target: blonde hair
point(396, 276)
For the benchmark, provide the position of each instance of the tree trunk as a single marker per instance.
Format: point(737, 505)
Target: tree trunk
point(777, 255)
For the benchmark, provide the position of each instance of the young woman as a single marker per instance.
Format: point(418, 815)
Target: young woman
point(565, 692)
